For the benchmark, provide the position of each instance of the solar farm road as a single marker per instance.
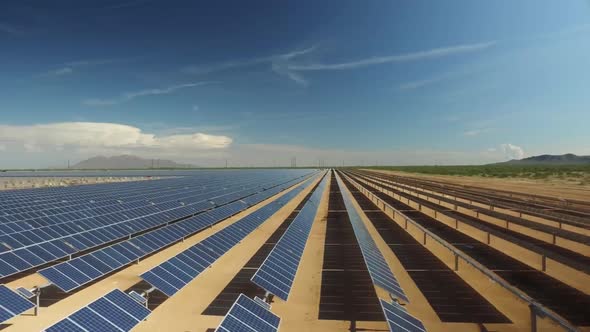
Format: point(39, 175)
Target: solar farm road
point(288, 250)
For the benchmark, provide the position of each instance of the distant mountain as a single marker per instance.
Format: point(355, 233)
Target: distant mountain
point(126, 162)
point(548, 159)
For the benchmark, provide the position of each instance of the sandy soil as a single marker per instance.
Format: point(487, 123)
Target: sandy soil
point(553, 188)
point(9, 183)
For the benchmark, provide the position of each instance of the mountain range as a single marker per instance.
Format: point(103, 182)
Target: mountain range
point(127, 162)
point(548, 159)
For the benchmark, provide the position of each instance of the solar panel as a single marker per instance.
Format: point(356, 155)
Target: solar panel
point(115, 312)
point(248, 315)
point(377, 266)
point(48, 224)
point(166, 276)
point(12, 304)
point(25, 292)
point(137, 297)
point(277, 273)
point(398, 319)
point(77, 272)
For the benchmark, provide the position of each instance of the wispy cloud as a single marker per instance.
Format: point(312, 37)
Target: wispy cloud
point(205, 69)
point(278, 64)
point(128, 96)
point(422, 55)
point(69, 67)
point(477, 132)
point(284, 64)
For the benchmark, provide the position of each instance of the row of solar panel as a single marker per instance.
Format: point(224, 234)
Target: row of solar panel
point(376, 265)
point(30, 237)
point(46, 197)
point(277, 272)
point(65, 227)
point(28, 194)
point(39, 218)
point(24, 196)
point(249, 315)
point(39, 254)
point(82, 270)
point(12, 304)
point(114, 312)
point(107, 193)
point(175, 273)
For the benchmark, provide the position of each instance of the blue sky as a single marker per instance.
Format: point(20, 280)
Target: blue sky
point(359, 82)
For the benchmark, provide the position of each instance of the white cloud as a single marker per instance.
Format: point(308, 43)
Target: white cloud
point(476, 132)
point(141, 93)
point(422, 55)
point(511, 151)
point(95, 137)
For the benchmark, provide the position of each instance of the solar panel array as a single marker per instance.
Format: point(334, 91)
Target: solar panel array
point(249, 315)
point(376, 265)
point(12, 304)
point(277, 272)
point(398, 319)
point(41, 226)
point(175, 273)
point(115, 312)
point(82, 270)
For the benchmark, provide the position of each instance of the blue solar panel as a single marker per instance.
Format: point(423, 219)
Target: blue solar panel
point(59, 279)
point(12, 304)
point(91, 321)
point(398, 319)
point(378, 268)
point(248, 315)
point(126, 303)
point(277, 272)
point(80, 271)
point(53, 223)
point(116, 312)
point(166, 276)
point(113, 314)
point(65, 325)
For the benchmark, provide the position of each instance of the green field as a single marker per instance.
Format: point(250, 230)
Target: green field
point(566, 172)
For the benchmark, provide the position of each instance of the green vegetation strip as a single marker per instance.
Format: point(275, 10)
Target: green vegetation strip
point(580, 172)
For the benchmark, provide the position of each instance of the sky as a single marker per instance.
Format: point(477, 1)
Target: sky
point(256, 83)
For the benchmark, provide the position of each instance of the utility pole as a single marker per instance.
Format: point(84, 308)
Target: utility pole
point(226, 163)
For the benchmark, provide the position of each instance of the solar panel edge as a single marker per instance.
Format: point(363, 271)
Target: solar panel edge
point(361, 227)
point(320, 188)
